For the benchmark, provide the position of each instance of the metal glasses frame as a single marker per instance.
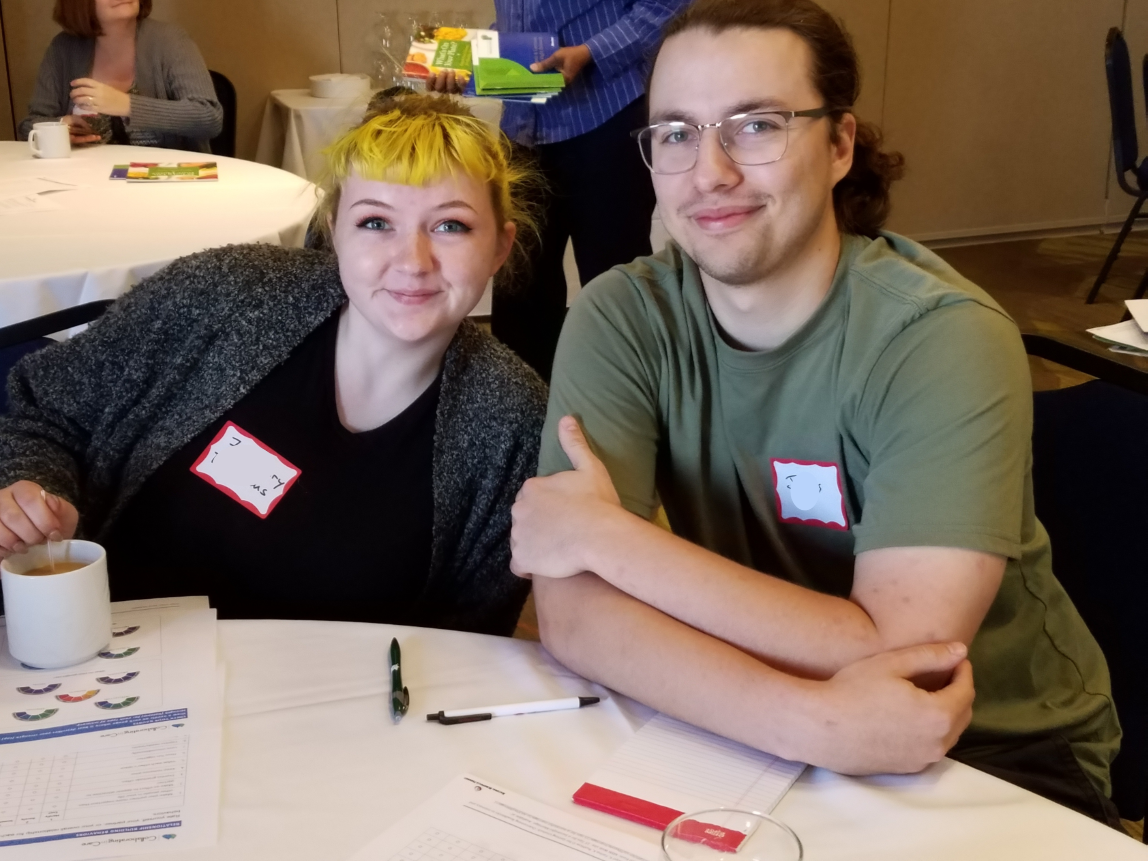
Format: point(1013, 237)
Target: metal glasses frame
point(636, 134)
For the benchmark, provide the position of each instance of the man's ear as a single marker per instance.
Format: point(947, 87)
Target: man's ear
point(841, 146)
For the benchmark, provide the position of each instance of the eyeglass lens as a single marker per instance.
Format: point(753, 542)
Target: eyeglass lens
point(758, 138)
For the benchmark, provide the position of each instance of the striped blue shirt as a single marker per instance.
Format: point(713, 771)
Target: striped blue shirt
point(619, 33)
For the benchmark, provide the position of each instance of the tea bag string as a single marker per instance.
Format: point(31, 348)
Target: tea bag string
point(51, 556)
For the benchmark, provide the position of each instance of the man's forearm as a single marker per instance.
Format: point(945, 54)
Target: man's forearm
point(798, 630)
point(613, 639)
point(866, 720)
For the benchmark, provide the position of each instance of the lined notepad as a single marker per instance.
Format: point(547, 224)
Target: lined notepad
point(669, 768)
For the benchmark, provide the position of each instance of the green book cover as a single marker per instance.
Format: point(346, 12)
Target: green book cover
point(452, 55)
point(499, 76)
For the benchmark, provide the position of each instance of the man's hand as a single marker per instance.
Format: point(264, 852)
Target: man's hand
point(90, 93)
point(81, 132)
point(30, 515)
point(876, 720)
point(443, 82)
point(569, 61)
point(554, 516)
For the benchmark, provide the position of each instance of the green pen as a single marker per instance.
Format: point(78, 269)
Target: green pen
point(400, 697)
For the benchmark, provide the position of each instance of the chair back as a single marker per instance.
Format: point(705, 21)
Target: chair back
point(20, 339)
point(224, 142)
point(1090, 481)
point(1118, 68)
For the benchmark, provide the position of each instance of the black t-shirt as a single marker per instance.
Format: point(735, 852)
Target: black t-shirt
point(349, 540)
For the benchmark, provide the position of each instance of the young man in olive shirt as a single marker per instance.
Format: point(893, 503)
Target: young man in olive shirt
point(837, 424)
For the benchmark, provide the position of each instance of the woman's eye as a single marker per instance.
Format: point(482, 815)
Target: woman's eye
point(373, 222)
point(452, 226)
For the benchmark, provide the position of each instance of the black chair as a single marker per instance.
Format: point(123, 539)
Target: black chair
point(20, 339)
point(224, 142)
point(1090, 481)
point(1119, 70)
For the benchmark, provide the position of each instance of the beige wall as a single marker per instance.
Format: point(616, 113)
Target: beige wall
point(7, 127)
point(261, 45)
point(1001, 111)
point(999, 107)
point(868, 23)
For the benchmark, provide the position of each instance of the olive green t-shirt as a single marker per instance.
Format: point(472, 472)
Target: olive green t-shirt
point(900, 414)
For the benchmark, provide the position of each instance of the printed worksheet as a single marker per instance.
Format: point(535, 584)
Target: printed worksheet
point(669, 768)
point(474, 820)
point(118, 755)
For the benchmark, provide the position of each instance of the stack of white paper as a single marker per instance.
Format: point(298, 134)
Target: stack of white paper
point(19, 196)
point(121, 754)
point(1131, 336)
point(475, 819)
point(669, 768)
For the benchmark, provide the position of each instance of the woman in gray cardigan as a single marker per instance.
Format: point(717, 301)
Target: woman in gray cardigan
point(299, 435)
point(115, 77)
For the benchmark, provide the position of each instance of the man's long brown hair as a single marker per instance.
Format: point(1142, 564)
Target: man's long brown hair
point(78, 17)
point(861, 198)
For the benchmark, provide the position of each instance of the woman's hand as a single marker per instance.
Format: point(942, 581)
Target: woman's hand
point(443, 82)
point(81, 132)
point(90, 93)
point(30, 515)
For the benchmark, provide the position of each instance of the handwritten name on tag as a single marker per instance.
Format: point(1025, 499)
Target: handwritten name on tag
point(246, 470)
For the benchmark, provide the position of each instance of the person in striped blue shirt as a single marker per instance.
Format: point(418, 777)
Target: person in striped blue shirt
point(598, 191)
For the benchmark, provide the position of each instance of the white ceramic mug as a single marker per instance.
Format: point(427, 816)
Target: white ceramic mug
point(50, 140)
point(57, 620)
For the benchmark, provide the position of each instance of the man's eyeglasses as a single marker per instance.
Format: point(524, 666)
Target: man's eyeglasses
point(757, 137)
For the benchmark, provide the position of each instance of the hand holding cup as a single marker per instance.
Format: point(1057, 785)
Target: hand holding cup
point(81, 132)
point(29, 515)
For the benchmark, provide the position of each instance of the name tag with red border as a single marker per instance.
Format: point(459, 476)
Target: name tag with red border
point(245, 469)
point(809, 492)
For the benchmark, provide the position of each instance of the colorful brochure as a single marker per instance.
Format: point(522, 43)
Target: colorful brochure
point(486, 62)
point(183, 171)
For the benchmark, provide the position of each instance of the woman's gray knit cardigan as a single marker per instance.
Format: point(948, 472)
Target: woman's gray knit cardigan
point(176, 98)
point(91, 418)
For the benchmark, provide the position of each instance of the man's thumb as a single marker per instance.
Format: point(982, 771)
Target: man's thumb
point(574, 443)
point(543, 65)
point(927, 658)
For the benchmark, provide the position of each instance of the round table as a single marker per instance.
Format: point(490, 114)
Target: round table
point(313, 767)
point(108, 234)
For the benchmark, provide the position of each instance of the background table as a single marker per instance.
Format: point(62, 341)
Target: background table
point(297, 126)
point(110, 234)
point(313, 767)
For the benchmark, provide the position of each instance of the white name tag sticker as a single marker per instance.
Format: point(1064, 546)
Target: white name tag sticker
point(246, 470)
point(809, 492)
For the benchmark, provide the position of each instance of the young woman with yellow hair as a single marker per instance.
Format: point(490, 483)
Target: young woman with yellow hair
point(298, 434)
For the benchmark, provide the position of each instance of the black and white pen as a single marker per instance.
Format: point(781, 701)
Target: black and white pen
point(454, 716)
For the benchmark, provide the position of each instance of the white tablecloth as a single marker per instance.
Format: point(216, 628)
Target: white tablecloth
point(297, 126)
point(111, 233)
point(314, 769)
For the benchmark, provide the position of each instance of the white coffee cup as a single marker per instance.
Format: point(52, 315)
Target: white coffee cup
point(50, 140)
point(57, 620)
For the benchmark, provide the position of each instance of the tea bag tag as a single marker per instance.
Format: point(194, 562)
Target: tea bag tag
point(245, 469)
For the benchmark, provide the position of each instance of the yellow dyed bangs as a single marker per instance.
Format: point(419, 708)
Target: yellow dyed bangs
point(417, 150)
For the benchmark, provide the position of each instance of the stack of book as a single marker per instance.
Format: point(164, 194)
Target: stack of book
point(486, 62)
point(1131, 336)
point(171, 171)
